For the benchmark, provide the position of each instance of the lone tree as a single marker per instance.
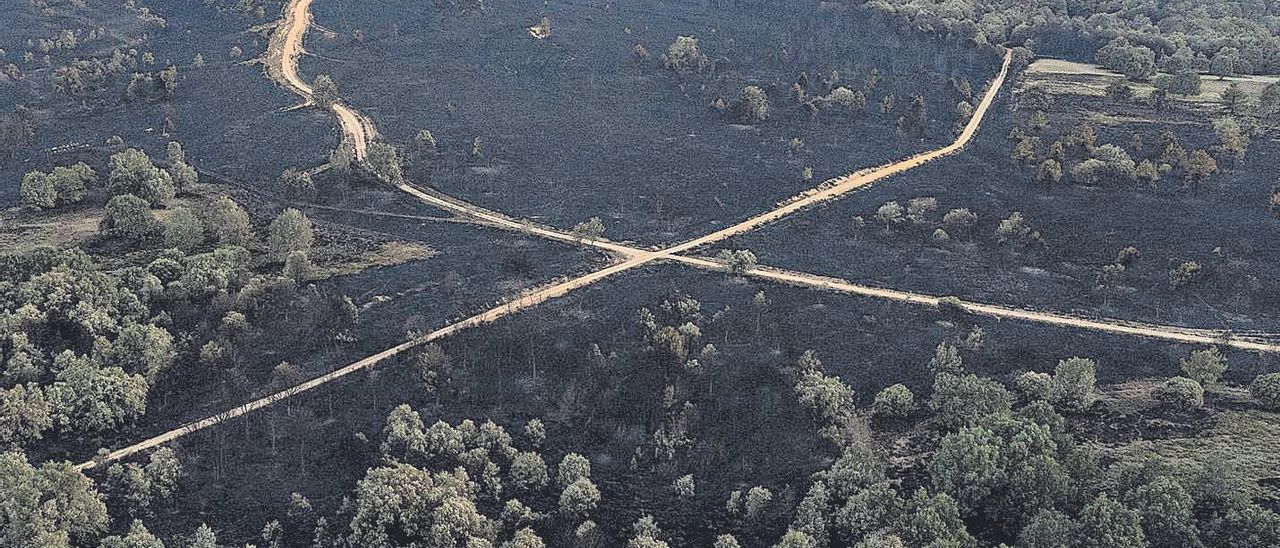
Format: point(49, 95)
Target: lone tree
point(296, 182)
point(1073, 383)
point(752, 105)
point(684, 55)
point(290, 231)
point(228, 222)
point(323, 91)
point(737, 261)
point(591, 230)
point(1205, 366)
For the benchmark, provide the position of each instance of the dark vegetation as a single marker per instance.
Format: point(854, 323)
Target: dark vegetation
point(77, 106)
point(652, 139)
point(1071, 201)
point(180, 244)
point(1224, 36)
point(621, 375)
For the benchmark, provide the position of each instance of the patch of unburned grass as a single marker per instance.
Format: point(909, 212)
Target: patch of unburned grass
point(1061, 76)
point(387, 254)
point(21, 230)
point(1247, 440)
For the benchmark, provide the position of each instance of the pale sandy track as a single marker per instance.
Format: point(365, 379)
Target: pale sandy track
point(281, 59)
point(1112, 326)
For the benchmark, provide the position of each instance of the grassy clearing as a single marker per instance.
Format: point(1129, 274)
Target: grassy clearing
point(1247, 440)
point(1062, 76)
point(387, 254)
point(20, 230)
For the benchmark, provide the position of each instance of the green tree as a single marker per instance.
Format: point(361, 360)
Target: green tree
point(38, 191)
point(927, 520)
point(1198, 166)
point(129, 216)
point(946, 359)
point(684, 55)
point(895, 401)
point(1205, 366)
point(88, 398)
point(1166, 512)
point(726, 541)
point(590, 230)
point(137, 537)
point(1106, 523)
point(398, 504)
point(204, 537)
point(796, 539)
point(50, 506)
point(290, 231)
point(573, 467)
point(1049, 529)
point(384, 161)
point(1265, 389)
point(890, 214)
point(164, 470)
point(183, 230)
point(324, 91)
point(827, 399)
point(579, 498)
point(1135, 62)
point(1181, 393)
point(528, 471)
point(1034, 385)
point(1073, 383)
point(968, 466)
point(1184, 274)
point(184, 176)
point(143, 349)
point(294, 182)
point(964, 400)
point(133, 173)
point(1119, 90)
point(752, 105)
point(737, 261)
point(524, 538)
point(1225, 63)
point(24, 414)
point(1233, 96)
point(228, 222)
point(1247, 526)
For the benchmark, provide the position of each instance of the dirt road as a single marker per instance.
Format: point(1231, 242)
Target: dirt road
point(282, 54)
point(1106, 325)
point(281, 59)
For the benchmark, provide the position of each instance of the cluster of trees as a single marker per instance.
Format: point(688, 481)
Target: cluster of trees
point(80, 346)
point(1077, 153)
point(54, 505)
point(460, 485)
point(919, 213)
point(86, 76)
point(60, 186)
point(152, 85)
point(1223, 36)
point(1009, 461)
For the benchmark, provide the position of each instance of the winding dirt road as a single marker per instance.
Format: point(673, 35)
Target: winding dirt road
point(283, 50)
point(281, 59)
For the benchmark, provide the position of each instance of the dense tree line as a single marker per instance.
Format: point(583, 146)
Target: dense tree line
point(1222, 36)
